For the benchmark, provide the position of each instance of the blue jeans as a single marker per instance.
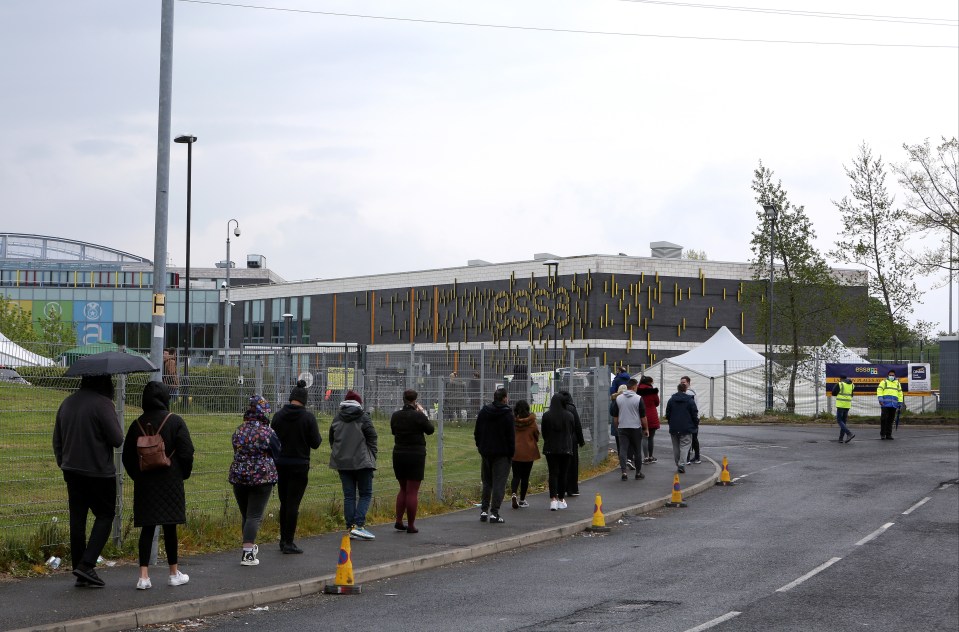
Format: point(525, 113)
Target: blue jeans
point(356, 481)
point(841, 415)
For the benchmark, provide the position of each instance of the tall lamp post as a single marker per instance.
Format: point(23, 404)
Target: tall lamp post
point(188, 140)
point(552, 266)
point(288, 317)
point(228, 306)
point(771, 212)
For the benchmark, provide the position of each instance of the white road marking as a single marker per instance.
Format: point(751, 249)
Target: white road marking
point(818, 569)
point(715, 622)
point(875, 534)
point(764, 469)
point(945, 486)
point(916, 506)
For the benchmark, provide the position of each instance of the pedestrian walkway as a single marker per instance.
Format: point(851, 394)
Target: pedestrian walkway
point(218, 583)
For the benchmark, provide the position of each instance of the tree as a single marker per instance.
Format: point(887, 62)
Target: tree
point(807, 296)
point(17, 324)
point(930, 178)
point(871, 235)
point(697, 255)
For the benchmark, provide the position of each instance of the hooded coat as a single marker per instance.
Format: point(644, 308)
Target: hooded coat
point(298, 432)
point(352, 439)
point(650, 397)
point(527, 438)
point(158, 496)
point(682, 414)
point(494, 433)
point(557, 428)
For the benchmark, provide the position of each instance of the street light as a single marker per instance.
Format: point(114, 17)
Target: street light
point(771, 212)
point(228, 307)
point(552, 266)
point(189, 140)
point(288, 317)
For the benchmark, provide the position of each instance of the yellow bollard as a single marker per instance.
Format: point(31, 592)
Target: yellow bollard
point(343, 582)
point(599, 522)
point(676, 499)
point(724, 479)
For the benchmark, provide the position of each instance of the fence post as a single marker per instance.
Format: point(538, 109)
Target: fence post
point(712, 396)
point(409, 374)
point(529, 374)
point(482, 392)
point(725, 390)
point(439, 444)
point(118, 462)
point(662, 379)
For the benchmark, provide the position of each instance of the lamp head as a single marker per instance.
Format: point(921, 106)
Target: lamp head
point(771, 210)
point(236, 231)
point(185, 138)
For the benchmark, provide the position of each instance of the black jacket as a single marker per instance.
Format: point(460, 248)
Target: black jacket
point(494, 433)
point(85, 433)
point(410, 427)
point(577, 429)
point(158, 495)
point(298, 432)
point(682, 414)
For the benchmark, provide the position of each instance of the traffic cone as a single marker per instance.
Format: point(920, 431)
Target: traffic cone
point(343, 582)
point(676, 500)
point(599, 522)
point(724, 479)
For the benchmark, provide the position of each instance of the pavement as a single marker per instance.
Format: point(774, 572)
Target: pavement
point(218, 583)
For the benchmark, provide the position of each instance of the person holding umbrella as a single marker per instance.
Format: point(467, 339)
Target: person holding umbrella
point(85, 433)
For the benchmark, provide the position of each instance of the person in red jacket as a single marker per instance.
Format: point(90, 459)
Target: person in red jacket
point(650, 397)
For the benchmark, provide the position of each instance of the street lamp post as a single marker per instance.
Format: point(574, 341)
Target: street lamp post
point(552, 266)
point(228, 307)
point(771, 212)
point(288, 317)
point(189, 140)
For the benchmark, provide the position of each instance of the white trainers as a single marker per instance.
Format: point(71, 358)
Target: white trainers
point(144, 584)
point(179, 579)
point(553, 505)
point(249, 557)
point(360, 533)
point(561, 504)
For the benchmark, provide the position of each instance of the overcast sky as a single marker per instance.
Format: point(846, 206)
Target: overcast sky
point(358, 145)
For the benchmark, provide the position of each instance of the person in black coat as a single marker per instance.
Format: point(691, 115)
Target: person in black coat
point(298, 431)
point(158, 495)
point(572, 472)
point(409, 426)
point(683, 417)
point(495, 438)
point(557, 430)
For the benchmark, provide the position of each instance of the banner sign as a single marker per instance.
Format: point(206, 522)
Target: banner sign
point(915, 378)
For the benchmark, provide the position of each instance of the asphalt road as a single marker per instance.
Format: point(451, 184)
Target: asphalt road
point(813, 536)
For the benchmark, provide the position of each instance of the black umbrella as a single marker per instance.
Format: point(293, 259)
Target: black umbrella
point(110, 363)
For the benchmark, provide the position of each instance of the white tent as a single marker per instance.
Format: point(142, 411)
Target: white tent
point(728, 377)
point(13, 355)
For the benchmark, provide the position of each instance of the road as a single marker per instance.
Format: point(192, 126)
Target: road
point(813, 536)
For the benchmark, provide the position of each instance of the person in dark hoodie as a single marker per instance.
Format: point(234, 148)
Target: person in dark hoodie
point(409, 426)
point(495, 439)
point(650, 397)
point(84, 435)
point(158, 495)
point(681, 413)
point(572, 472)
point(558, 448)
point(299, 433)
point(353, 448)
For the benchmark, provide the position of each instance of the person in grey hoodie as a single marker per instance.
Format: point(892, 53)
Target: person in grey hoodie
point(353, 454)
point(631, 426)
point(495, 437)
point(681, 413)
point(84, 435)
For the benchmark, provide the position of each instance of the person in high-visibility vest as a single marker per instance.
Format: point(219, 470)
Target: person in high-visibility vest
point(889, 393)
point(842, 391)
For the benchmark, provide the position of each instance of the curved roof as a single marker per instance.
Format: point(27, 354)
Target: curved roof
point(44, 248)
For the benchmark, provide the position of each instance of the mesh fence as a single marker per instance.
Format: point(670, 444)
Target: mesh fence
point(212, 394)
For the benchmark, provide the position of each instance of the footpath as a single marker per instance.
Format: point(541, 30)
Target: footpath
point(218, 583)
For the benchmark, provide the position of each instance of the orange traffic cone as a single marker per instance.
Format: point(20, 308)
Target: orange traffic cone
point(343, 582)
point(724, 479)
point(676, 499)
point(599, 522)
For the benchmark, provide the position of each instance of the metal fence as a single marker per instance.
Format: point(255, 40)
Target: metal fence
point(213, 392)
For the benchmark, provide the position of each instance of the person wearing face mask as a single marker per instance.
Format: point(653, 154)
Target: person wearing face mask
point(889, 393)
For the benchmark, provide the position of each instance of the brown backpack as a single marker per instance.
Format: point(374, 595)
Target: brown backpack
point(150, 448)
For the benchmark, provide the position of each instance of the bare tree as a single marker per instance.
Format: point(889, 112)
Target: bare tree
point(871, 232)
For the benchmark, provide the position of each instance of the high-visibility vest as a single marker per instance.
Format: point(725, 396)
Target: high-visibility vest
point(889, 393)
point(844, 397)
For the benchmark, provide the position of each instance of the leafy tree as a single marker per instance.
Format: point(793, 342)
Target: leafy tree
point(16, 323)
point(696, 255)
point(872, 231)
point(807, 296)
point(931, 180)
point(55, 332)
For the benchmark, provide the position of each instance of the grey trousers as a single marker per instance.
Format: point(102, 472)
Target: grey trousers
point(494, 471)
point(681, 444)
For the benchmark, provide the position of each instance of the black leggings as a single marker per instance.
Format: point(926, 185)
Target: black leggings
point(169, 543)
point(290, 487)
point(521, 470)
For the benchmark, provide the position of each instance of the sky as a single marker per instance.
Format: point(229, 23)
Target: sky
point(354, 137)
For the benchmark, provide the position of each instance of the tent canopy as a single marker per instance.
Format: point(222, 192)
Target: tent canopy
point(722, 352)
point(12, 354)
point(72, 355)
